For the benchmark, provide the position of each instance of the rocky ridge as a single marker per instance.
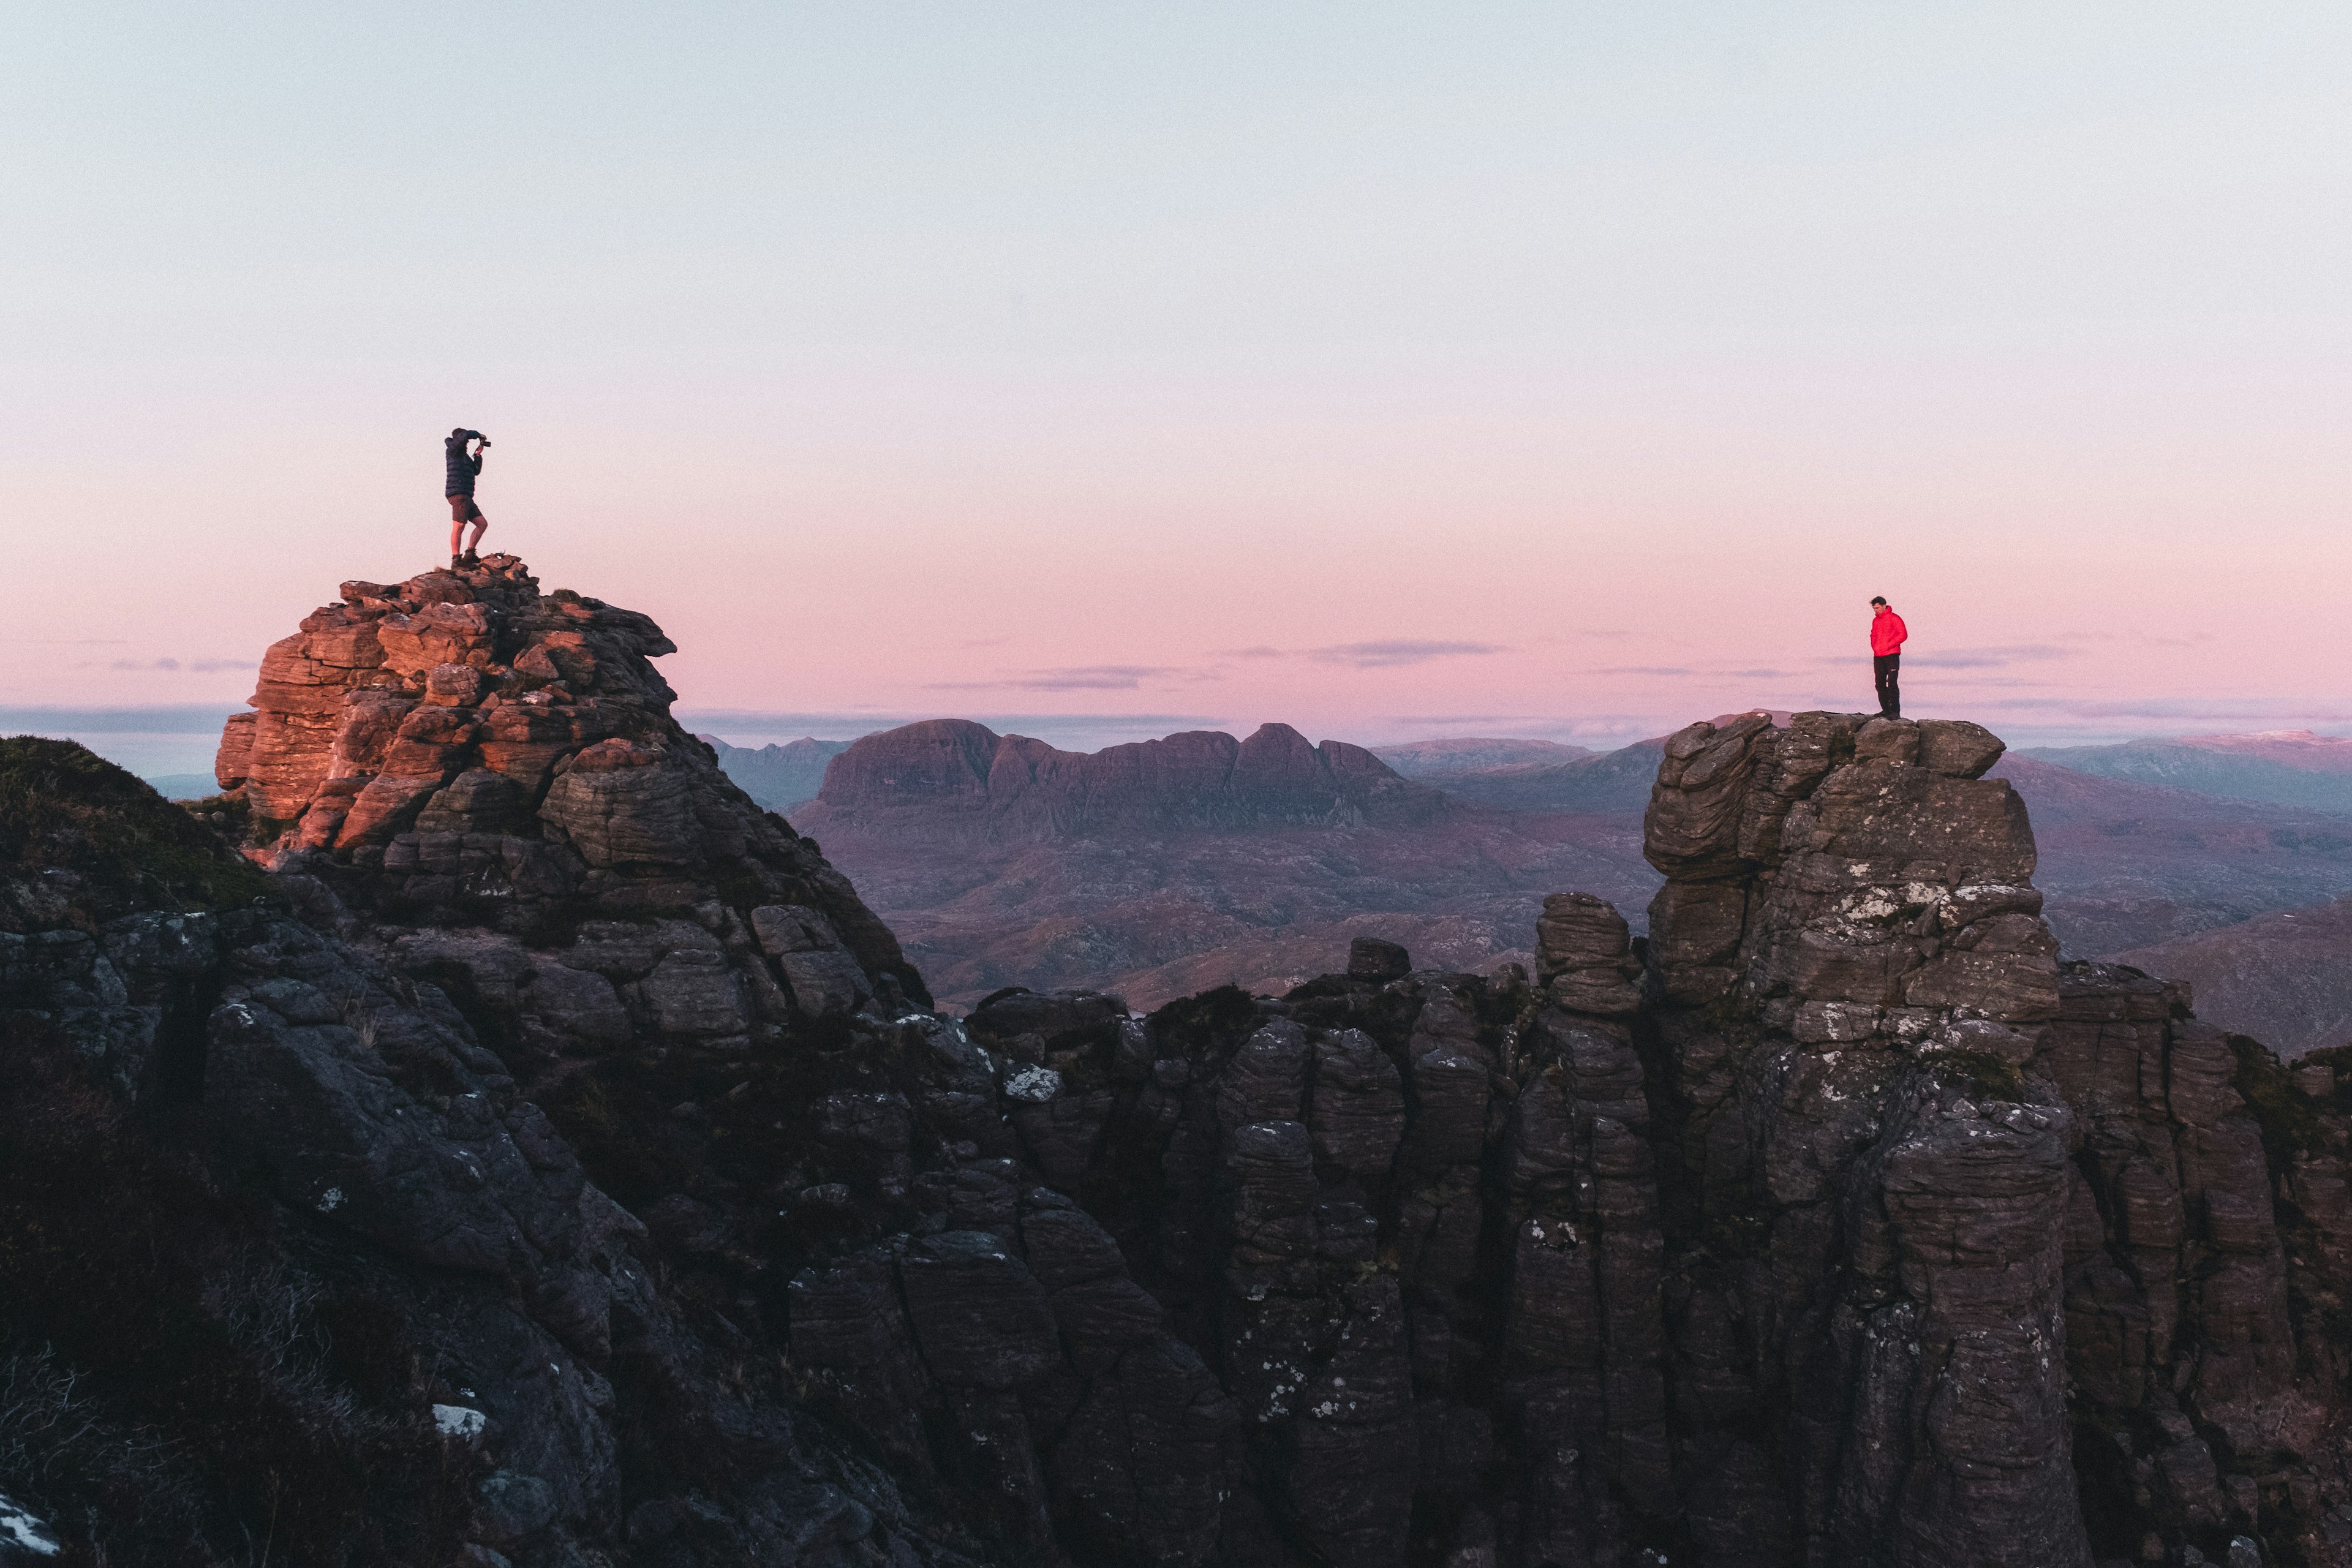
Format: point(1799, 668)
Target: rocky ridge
point(563, 1168)
point(459, 750)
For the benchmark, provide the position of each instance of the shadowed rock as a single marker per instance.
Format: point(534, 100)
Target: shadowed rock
point(1369, 958)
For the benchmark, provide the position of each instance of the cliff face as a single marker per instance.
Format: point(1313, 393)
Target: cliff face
point(551, 1165)
point(955, 776)
point(2037, 1265)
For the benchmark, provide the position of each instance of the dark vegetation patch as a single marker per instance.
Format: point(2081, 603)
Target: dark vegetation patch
point(119, 845)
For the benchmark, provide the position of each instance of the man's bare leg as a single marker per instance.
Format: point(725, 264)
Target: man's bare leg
point(462, 511)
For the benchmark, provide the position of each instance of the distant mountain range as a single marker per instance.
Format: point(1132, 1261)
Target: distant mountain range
point(2285, 767)
point(1582, 780)
point(1158, 868)
point(2127, 865)
point(1428, 760)
point(1539, 775)
point(781, 778)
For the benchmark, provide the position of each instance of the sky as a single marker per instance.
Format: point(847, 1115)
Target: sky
point(1102, 370)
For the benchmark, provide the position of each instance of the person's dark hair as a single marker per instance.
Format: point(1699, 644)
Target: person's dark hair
point(1878, 599)
point(459, 434)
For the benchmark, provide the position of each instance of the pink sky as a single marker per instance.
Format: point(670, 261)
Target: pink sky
point(1568, 377)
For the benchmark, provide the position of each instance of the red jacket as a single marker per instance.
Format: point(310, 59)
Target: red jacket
point(1887, 634)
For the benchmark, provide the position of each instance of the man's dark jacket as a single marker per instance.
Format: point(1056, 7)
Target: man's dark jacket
point(463, 466)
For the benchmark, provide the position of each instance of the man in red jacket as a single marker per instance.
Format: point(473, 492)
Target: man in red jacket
point(1887, 634)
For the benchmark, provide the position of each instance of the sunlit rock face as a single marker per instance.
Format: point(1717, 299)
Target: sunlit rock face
point(461, 751)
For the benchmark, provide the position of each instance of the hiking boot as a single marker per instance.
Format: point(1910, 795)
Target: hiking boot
point(472, 559)
point(456, 563)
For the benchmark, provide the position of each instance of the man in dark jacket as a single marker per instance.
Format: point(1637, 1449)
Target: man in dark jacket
point(462, 466)
point(1887, 634)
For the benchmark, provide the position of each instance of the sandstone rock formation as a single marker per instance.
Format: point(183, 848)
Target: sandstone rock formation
point(474, 1168)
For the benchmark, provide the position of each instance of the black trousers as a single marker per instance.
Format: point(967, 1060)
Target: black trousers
point(1890, 694)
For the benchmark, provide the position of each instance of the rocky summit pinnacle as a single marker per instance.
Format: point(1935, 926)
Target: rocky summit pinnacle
point(459, 750)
